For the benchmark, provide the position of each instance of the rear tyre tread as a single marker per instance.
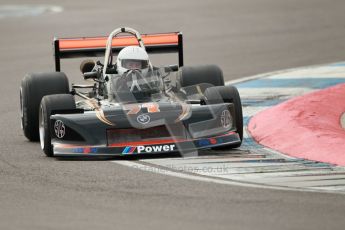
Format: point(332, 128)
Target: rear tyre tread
point(33, 88)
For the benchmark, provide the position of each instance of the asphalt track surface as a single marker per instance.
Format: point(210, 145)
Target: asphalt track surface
point(243, 37)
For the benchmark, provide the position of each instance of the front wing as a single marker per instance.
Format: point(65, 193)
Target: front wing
point(148, 147)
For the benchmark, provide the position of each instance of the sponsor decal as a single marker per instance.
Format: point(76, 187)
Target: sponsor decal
point(156, 148)
point(213, 141)
point(149, 149)
point(85, 150)
point(59, 129)
point(209, 141)
point(151, 107)
point(203, 142)
point(128, 150)
point(132, 108)
point(143, 119)
point(220, 140)
point(226, 119)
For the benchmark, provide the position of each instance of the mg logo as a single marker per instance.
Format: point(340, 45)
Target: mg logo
point(226, 119)
point(59, 129)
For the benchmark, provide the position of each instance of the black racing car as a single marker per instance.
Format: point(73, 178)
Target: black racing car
point(172, 108)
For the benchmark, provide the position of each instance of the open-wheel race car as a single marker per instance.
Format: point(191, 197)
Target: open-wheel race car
point(132, 106)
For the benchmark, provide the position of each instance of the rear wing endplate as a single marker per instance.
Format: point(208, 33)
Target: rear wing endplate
point(95, 46)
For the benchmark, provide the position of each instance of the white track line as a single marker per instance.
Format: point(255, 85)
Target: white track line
point(182, 175)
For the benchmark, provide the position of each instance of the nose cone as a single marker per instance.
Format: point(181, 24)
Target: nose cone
point(147, 115)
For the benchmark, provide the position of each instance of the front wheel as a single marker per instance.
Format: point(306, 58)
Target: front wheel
point(227, 94)
point(48, 105)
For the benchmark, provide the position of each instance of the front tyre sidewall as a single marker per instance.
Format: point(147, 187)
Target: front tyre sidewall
point(56, 102)
point(21, 108)
point(44, 131)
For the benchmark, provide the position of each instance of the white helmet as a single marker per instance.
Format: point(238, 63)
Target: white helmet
point(132, 57)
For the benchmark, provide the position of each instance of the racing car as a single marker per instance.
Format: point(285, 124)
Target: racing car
point(129, 106)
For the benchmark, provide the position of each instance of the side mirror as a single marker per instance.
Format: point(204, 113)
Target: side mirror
point(87, 66)
point(171, 68)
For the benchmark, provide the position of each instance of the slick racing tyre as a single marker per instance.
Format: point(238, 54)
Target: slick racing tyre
point(227, 94)
point(48, 105)
point(210, 74)
point(33, 88)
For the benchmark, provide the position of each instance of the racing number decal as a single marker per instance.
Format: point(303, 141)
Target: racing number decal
point(135, 108)
point(151, 107)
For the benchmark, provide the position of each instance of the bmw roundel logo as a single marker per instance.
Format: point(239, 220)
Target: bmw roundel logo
point(143, 119)
point(59, 129)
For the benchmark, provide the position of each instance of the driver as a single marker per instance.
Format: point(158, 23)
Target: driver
point(132, 58)
point(136, 76)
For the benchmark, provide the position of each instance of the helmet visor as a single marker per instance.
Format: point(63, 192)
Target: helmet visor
point(134, 64)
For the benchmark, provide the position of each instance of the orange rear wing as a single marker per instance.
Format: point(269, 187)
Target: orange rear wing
point(95, 46)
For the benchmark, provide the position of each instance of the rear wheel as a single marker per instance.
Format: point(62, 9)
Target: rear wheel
point(48, 105)
point(210, 74)
point(227, 94)
point(33, 88)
